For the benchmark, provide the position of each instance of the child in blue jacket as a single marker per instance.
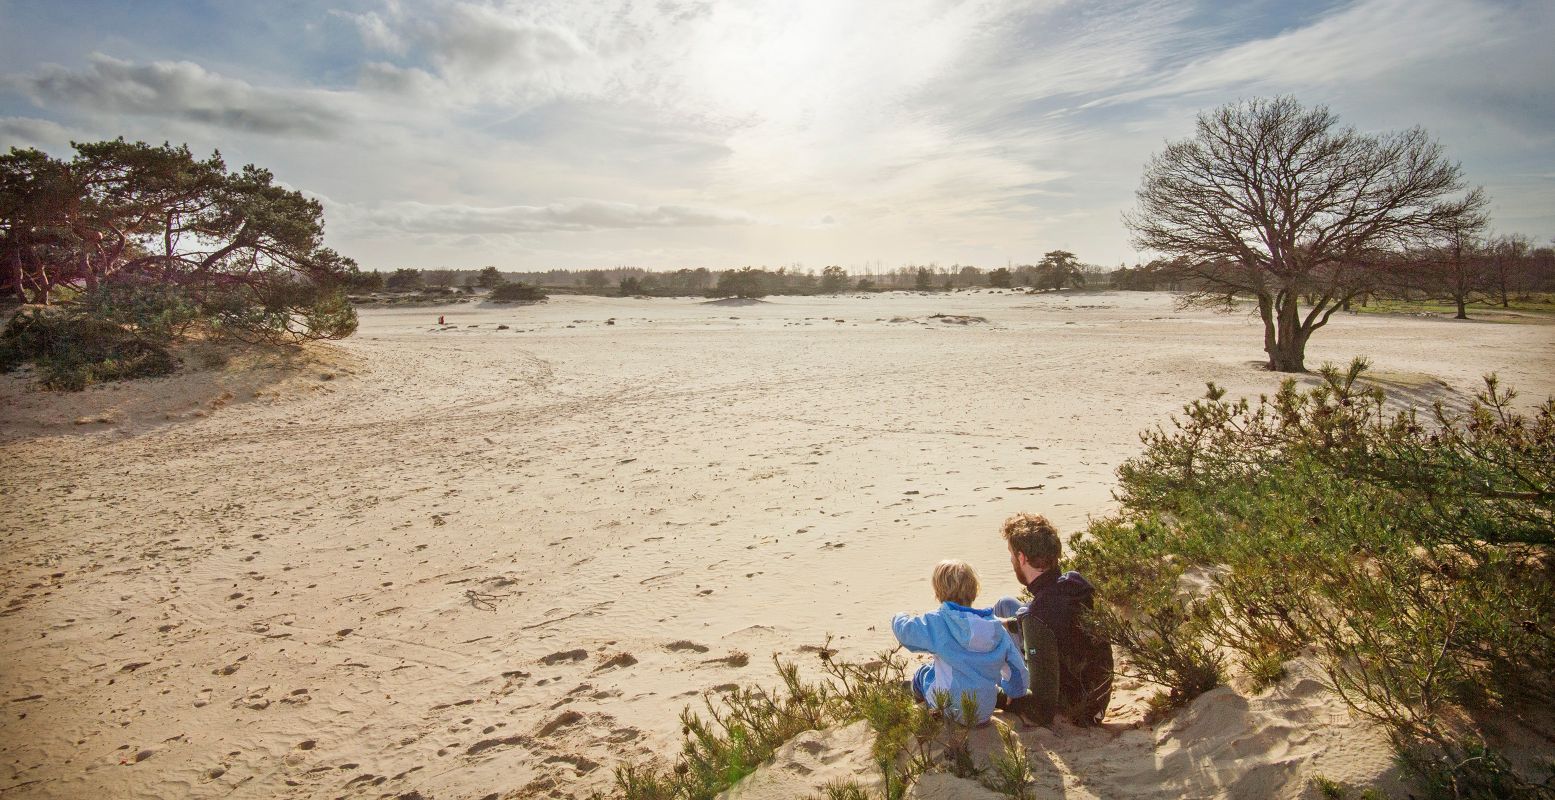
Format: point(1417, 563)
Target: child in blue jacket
point(973, 655)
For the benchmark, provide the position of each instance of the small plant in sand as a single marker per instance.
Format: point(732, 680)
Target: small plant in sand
point(1009, 770)
point(843, 790)
point(1326, 787)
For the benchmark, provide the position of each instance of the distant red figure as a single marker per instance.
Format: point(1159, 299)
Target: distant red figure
point(440, 319)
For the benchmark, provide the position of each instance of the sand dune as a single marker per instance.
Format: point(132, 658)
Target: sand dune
point(491, 556)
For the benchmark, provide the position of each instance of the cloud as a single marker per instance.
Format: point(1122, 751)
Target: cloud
point(40, 133)
point(382, 76)
point(474, 39)
point(183, 91)
point(1357, 44)
point(574, 215)
point(377, 32)
point(471, 55)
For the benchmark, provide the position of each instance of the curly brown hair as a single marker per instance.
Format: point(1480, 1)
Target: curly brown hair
point(1034, 537)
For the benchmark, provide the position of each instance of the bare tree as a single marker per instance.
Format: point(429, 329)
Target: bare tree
point(1508, 257)
point(1455, 268)
point(1275, 201)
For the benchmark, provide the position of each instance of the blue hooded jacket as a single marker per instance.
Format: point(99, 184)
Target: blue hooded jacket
point(972, 654)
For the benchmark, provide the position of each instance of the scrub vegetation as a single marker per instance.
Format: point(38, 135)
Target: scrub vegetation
point(743, 729)
point(1412, 551)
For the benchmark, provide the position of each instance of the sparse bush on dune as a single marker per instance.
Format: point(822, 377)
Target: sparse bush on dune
point(516, 293)
point(739, 732)
point(70, 351)
point(1415, 554)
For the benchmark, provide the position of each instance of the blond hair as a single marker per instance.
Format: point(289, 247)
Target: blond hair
point(1034, 537)
point(955, 581)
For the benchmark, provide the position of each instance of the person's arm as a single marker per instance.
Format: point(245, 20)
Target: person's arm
point(1019, 679)
point(912, 630)
point(1041, 654)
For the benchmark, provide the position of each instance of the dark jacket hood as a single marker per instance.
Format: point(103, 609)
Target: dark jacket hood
point(1070, 584)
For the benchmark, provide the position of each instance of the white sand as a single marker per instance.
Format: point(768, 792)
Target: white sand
point(462, 565)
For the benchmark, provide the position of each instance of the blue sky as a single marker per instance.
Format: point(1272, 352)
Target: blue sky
point(677, 133)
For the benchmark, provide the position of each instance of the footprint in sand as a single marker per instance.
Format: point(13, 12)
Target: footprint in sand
point(620, 660)
point(563, 720)
point(737, 658)
point(684, 645)
point(621, 735)
point(564, 655)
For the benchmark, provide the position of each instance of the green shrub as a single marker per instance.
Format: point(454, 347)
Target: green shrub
point(1415, 551)
point(285, 313)
point(154, 309)
point(1166, 645)
point(1469, 770)
point(70, 351)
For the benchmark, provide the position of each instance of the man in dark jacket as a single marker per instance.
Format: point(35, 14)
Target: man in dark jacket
point(1070, 665)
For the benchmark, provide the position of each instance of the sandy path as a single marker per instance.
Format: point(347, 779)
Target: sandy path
point(479, 560)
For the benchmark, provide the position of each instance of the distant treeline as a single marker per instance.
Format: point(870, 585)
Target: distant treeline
point(1497, 271)
point(1057, 269)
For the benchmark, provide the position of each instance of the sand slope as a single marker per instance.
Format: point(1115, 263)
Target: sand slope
point(1224, 744)
point(481, 560)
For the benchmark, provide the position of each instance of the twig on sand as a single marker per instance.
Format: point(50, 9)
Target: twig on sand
point(484, 601)
point(585, 612)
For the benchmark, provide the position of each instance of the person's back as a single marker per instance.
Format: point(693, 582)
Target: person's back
point(1076, 670)
point(1070, 664)
point(973, 657)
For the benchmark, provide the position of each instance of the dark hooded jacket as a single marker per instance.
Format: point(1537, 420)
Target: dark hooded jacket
point(1070, 664)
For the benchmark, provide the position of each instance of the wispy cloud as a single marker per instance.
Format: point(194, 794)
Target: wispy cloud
point(377, 30)
point(1360, 43)
point(180, 90)
point(572, 215)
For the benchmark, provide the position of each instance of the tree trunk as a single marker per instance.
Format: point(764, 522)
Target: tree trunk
point(16, 276)
point(1289, 356)
point(1287, 351)
point(1463, 308)
point(87, 272)
point(1266, 313)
